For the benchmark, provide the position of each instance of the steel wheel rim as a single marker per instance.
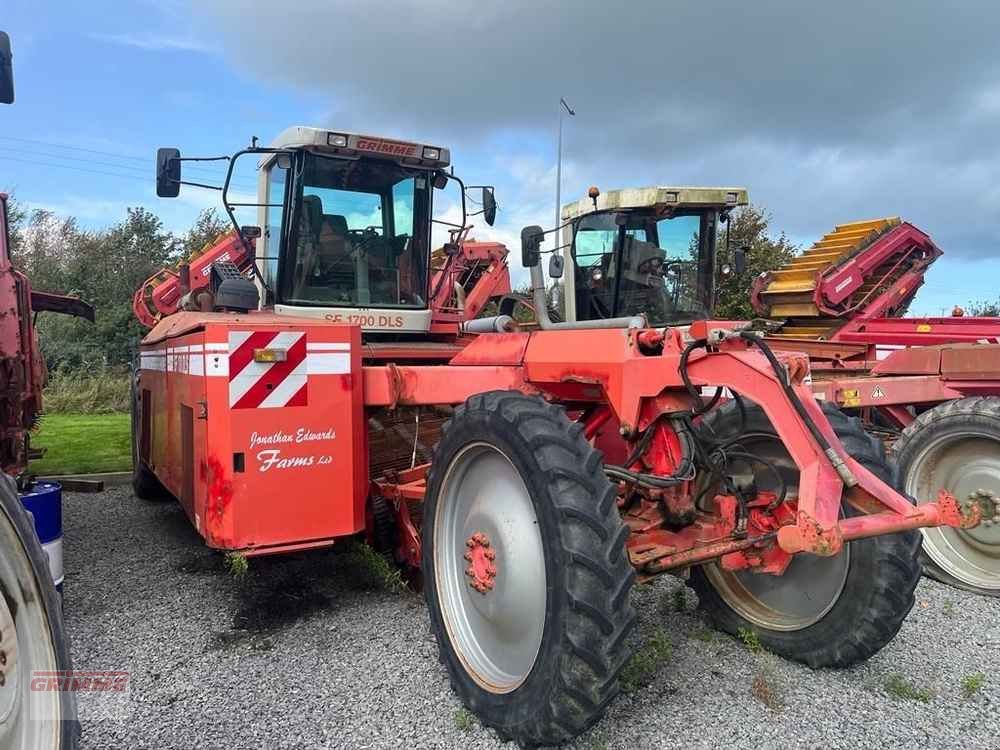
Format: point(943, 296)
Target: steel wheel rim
point(801, 597)
point(962, 465)
point(807, 590)
point(496, 634)
point(28, 718)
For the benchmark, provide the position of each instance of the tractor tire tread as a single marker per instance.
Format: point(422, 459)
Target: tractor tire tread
point(932, 420)
point(859, 626)
point(587, 634)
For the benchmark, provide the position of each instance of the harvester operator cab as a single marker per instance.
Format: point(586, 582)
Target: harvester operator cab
point(648, 251)
point(345, 224)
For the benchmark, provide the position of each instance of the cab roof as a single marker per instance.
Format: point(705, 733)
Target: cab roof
point(660, 196)
point(359, 144)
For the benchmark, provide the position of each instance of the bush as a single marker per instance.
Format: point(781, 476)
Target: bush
point(99, 391)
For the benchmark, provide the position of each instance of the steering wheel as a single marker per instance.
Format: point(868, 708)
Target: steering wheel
point(362, 238)
point(658, 266)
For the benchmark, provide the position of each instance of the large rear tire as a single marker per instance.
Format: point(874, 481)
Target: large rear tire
point(824, 611)
point(515, 487)
point(956, 446)
point(32, 638)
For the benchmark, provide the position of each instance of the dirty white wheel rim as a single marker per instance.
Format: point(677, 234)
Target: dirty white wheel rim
point(28, 719)
point(496, 634)
point(963, 466)
point(807, 590)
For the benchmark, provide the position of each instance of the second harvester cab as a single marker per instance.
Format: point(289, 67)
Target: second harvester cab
point(645, 251)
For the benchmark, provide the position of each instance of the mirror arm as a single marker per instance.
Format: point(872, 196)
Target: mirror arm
point(250, 250)
point(197, 185)
point(461, 185)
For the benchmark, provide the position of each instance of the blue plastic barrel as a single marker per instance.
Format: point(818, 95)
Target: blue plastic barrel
point(44, 502)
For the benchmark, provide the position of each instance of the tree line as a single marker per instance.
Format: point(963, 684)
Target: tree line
point(103, 267)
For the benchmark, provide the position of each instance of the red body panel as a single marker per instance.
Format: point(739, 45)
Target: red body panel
point(258, 472)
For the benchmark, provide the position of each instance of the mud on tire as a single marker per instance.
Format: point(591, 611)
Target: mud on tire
point(878, 579)
point(586, 615)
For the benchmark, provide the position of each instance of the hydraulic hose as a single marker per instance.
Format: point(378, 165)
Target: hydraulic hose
point(835, 460)
point(685, 468)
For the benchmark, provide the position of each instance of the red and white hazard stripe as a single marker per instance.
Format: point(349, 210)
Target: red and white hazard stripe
point(252, 384)
point(265, 385)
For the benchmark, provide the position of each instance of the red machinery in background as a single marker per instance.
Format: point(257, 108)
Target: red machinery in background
point(32, 635)
point(929, 385)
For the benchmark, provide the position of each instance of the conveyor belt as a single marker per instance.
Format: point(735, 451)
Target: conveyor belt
point(861, 269)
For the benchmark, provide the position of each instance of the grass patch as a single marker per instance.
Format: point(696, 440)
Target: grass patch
point(705, 635)
point(948, 608)
point(237, 565)
point(464, 720)
point(679, 598)
point(898, 687)
point(972, 684)
point(83, 444)
point(645, 662)
point(377, 568)
point(751, 640)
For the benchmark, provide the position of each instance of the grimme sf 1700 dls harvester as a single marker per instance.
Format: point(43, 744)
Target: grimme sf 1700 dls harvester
point(259, 402)
point(931, 386)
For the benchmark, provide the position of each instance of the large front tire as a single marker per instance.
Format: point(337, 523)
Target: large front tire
point(32, 638)
point(823, 611)
point(956, 446)
point(537, 652)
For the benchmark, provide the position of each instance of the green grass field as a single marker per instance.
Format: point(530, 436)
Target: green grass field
point(83, 444)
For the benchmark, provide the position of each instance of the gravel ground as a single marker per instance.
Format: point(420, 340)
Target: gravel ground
point(313, 651)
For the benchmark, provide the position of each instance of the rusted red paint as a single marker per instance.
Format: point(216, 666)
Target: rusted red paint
point(219, 497)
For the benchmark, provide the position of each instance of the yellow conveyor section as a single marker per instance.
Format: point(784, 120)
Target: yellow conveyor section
point(790, 293)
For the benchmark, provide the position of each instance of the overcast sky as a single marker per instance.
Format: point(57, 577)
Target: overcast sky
point(827, 112)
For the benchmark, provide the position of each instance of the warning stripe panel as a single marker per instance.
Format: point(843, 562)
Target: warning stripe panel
point(262, 384)
point(256, 385)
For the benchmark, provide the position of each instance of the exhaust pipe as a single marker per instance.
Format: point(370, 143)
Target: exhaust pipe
point(493, 324)
point(531, 238)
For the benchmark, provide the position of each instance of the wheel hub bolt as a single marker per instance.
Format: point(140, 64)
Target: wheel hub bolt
point(481, 556)
point(989, 503)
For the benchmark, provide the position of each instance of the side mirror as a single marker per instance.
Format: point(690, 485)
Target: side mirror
point(440, 180)
point(451, 248)
point(531, 241)
point(489, 206)
point(556, 266)
point(250, 232)
point(6, 70)
point(740, 259)
point(168, 172)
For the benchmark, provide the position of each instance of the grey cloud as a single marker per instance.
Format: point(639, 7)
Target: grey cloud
point(827, 111)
